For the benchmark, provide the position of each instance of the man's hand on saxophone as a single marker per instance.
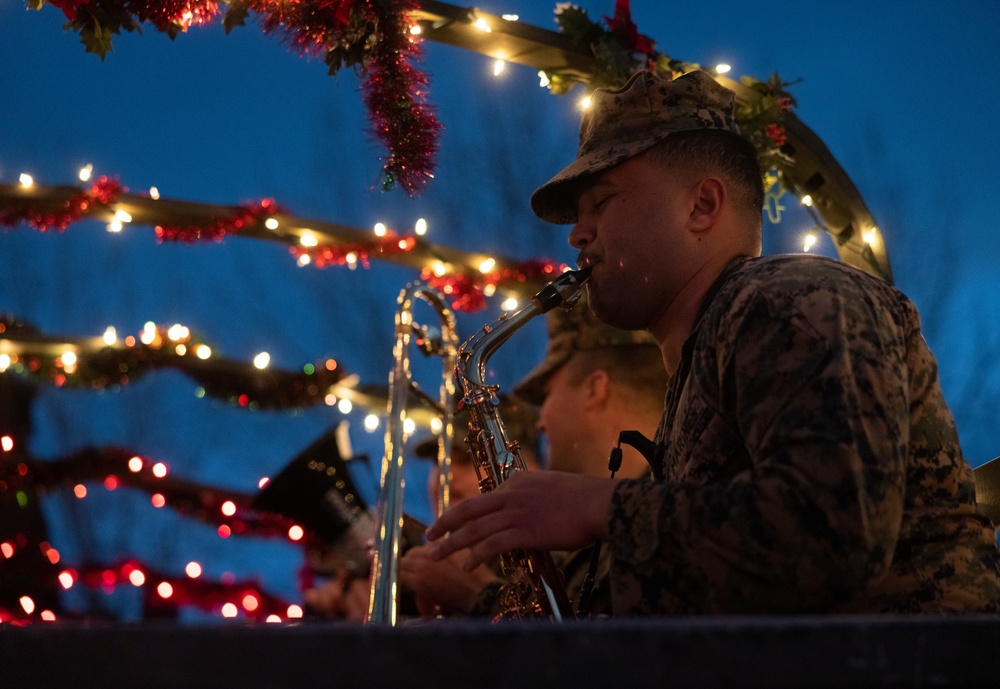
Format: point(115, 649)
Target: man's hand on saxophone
point(545, 510)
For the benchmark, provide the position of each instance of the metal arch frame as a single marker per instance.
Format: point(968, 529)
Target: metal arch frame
point(814, 170)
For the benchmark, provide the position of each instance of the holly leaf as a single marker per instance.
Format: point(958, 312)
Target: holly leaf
point(235, 16)
point(576, 25)
point(96, 40)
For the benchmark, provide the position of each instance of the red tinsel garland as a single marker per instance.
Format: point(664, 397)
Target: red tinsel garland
point(217, 230)
point(326, 255)
point(104, 191)
point(467, 292)
point(371, 34)
point(401, 118)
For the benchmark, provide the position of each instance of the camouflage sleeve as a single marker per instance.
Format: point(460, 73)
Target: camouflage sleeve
point(785, 480)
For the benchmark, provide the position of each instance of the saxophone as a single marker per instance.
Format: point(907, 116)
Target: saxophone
point(535, 587)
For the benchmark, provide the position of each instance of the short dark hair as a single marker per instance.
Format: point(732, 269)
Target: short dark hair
point(637, 367)
point(720, 152)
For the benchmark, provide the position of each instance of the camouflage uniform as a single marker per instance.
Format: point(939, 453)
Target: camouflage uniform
point(809, 461)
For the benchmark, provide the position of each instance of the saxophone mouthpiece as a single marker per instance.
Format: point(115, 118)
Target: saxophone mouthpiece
point(563, 291)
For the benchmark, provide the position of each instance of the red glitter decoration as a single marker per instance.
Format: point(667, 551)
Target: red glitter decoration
point(104, 191)
point(215, 231)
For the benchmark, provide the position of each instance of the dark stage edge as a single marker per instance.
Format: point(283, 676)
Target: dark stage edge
point(734, 652)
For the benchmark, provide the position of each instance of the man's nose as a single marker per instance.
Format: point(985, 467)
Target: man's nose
point(582, 233)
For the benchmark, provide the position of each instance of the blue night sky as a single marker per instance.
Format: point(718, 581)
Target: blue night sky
point(900, 92)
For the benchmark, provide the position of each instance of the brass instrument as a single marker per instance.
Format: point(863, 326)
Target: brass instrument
point(535, 588)
point(443, 342)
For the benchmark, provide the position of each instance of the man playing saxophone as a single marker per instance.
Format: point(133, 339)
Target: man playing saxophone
point(806, 460)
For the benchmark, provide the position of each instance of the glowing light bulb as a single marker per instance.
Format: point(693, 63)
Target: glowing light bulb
point(543, 79)
point(809, 241)
point(296, 532)
point(159, 470)
point(164, 589)
point(509, 17)
point(66, 579)
point(228, 508)
point(482, 25)
point(870, 236)
point(806, 200)
point(371, 423)
point(352, 259)
point(271, 223)
point(487, 265)
point(137, 578)
point(416, 30)
point(722, 68)
point(6, 443)
point(230, 610)
point(193, 570)
point(154, 193)
point(4, 362)
point(330, 399)
point(263, 482)
point(157, 500)
point(294, 612)
point(250, 602)
point(272, 619)
point(7, 549)
point(178, 332)
point(123, 216)
point(510, 304)
point(498, 67)
point(262, 360)
point(380, 229)
point(439, 269)
point(69, 359)
point(28, 604)
point(110, 336)
point(585, 103)
point(135, 464)
point(148, 333)
point(489, 290)
point(203, 351)
point(80, 490)
point(85, 172)
point(48, 616)
point(436, 424)
point(308, 239)
point(115, 226)
point(27, 181)
point(409, 425)
point(420, 227)
point(345, 406)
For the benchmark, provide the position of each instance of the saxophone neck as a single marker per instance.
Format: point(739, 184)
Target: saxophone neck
point(565, 290)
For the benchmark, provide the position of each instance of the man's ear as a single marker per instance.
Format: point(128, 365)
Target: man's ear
point(709, 198)
point(596, 389)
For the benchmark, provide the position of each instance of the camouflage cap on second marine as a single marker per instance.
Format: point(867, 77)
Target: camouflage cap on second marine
point(573, 331)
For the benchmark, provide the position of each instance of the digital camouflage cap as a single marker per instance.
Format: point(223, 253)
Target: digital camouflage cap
point(577, 330)
point(623, 123)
